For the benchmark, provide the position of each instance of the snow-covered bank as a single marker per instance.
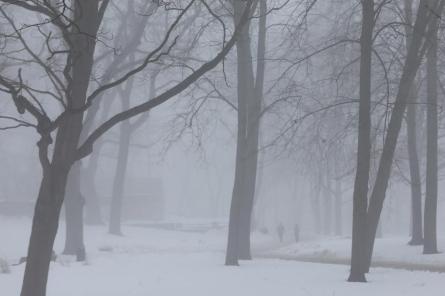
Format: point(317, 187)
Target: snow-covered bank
point(388, 252)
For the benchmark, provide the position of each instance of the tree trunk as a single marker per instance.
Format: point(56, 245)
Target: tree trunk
point(121, 168)
point(430, 232)
point(338, 209)
point(327, 228)
point(232, 254)
point(55, 174)
point(315, 205)
point(360, 195)
point(74, 203)
point(44, 229)
point(425, 14)
point(239, 194)
point(255, 97)
point(416, 183)
point(93, 215)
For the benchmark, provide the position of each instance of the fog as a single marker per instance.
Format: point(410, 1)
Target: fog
point(234, 147)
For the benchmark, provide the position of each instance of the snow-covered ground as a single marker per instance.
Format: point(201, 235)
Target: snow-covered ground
point(149, 261)
point(387, 250)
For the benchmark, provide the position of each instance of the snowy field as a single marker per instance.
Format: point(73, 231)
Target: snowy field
point(148, 261)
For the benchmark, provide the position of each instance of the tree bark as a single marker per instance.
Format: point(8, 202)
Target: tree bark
point(44, 228)
point(315, 205)
point(430, 230)
point(327, 195)
point(74, 203)
point(416, 183)
point(55, 174)
point(93, 215)
point(119, 180)
point(338, 209)
point(360, 195)
point(121, 166)
point(425, 14)
point(238, 204)
point(254, 105)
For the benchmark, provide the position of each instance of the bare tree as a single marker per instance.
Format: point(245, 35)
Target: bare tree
point(422, 33)
point(360, 195)
point(80, 35)
point(415, 182)
point(430, 214)
point(250, 92)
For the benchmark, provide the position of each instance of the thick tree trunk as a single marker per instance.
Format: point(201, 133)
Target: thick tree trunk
point(248, 199)
point(249, 108)
point(239, 194)
point(254, 105)
point(425, 14)
point(232, 252)
point(360, 195)
point(430, 232)
point(48, 206)
point(74, 203)
point(44, 230)
point(55, 174)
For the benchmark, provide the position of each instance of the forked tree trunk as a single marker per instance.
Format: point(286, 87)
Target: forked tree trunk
point(48, 206)
point(360, 195)
point(244, 60)
point(430, 231)
point(254, 106)
point(55, 174)
point(422, 31)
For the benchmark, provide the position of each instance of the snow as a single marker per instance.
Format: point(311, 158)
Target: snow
point(386, 250)
point(148, 261)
